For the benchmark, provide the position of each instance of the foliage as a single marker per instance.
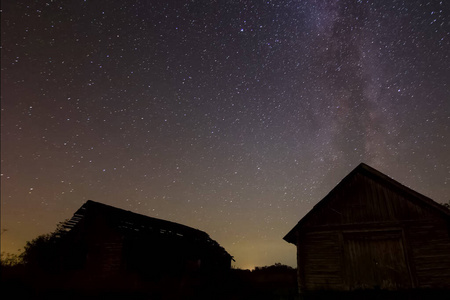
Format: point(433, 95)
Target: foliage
point(41, 252)
point(275, 267)
point(10, 260)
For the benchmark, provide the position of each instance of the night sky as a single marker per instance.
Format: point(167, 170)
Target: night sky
point(233, 117)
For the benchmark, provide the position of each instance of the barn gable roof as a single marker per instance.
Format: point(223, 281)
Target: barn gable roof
point(367, 171)
point(129, 223)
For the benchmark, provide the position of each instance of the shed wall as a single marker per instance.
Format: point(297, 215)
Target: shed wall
point(430, 253)
point(320, 261)
point(400, 239)
point(419, 256)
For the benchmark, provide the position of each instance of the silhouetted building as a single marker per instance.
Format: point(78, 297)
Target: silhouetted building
point(371, 232)
point(114, 246)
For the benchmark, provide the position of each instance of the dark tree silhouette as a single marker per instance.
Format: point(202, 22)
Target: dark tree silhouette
point(41, 252)
point(9, 260)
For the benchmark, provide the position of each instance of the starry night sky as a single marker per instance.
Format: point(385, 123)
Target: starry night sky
point(233, 117)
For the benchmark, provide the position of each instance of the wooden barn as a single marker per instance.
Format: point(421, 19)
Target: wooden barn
point(104, 243)
point(373, 233)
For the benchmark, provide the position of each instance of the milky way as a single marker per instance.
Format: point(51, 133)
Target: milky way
point(233, 117)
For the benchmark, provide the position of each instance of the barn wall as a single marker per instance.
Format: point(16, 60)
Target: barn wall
point(105, 248)
point(320, 261)
point(423, 255)
point(367, 217)
point(376, 259)
point(430, 253)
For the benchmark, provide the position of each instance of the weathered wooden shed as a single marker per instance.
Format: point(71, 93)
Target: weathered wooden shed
point(104, 242)
point(371, 232)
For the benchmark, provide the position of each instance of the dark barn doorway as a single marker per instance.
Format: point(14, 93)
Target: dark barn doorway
point(376, 260)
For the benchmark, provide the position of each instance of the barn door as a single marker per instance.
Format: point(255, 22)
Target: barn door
point(376, 260)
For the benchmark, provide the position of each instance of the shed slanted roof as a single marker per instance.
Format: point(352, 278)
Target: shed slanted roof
point(129, 222)
point(372, 173)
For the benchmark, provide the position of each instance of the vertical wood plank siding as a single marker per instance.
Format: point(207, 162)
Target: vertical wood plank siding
point(371, 219)
point(364, 200)
point(430, 245)
point(321, 260)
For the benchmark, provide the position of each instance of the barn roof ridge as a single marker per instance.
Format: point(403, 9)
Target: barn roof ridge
point(372, 173)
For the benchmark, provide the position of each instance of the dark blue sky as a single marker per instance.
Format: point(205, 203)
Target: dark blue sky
point(233, 117)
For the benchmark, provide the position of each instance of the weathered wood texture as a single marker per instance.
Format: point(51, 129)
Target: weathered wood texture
point(372, 232)
point(376, 259)
point(430, 253)
point(320, 261)
point(365, 200)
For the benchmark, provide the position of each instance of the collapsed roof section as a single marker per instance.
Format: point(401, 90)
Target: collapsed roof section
point(129, 223)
